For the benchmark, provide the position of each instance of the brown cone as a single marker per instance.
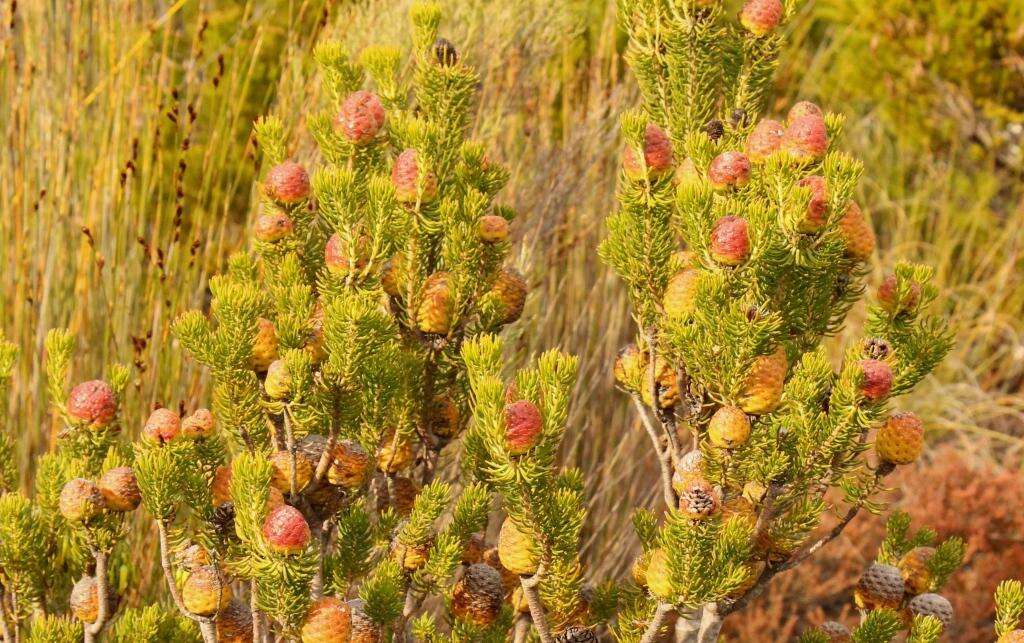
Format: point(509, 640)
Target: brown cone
point(478, 595)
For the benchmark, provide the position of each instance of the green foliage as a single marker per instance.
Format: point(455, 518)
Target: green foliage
point(925, 629)
point(468, 517)
point(45, 546)
point(946, 559)
point(23, 551)
point(383, 592)
point(8, 470)
point(159, 472)
point(154, 624)
point(813, 636)
point(353, 557)
point(542, 501)
point(334, 345)
point(931, 573)
point(54, 629)
point(1009, 606)
point(879, 626)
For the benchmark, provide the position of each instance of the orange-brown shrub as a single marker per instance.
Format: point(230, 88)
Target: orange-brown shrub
point(955, 496)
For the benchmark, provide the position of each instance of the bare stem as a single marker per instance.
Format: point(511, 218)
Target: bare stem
point(208, 629)
point(710, 624)
point(687, 626)
point(657, 623)
point(324, 533)
point(332, 436)
point(522, 629)
point(4, 627)
point(540, 620)
point(14, 615)
point(206, 624)
point(432, 449)
point(664, 454)
point(413, 602)
point(289, 441)
point(93, 629)
point(258, 635)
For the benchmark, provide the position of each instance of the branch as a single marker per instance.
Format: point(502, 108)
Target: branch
point(664, 455)
point(317, 586)
point(206, 624)
point(332, 436)
point(657, 622)
point(687, 627)
point(767, 513)
point(799, 557)
point(258, 635)
point(522, 629)
point(431, 445)
point(540, 620)
point(413, 601)
point(289, 441)
point(710, 624)
point(102, 597)
point(4, 627)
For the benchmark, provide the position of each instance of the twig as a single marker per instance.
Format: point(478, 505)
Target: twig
point(431, 446)
point(93, 629)
point(540, 620)
point(806, 553)
point(657, 623)
point(667, 417)
point(664, 456)
point(767, 513)
point(206, 624)
point(332, 436)
point(4, 627)
point(258, 635)
point(413, 602)
point(687, 627)
point(14, 615)
point(710, 624)
point(324, 537)
point(289, 441)
point(522, 629)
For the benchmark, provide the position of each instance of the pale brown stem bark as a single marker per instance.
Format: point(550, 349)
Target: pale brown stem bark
point(710, 624)
point(5, 628)
point(258, 633)
point(687, 627)
point(658, 621)
point(540, 620)
point(93, 629)
point(664, 455)
point(522, 629)
point(206, 624)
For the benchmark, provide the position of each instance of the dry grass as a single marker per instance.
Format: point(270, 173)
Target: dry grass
point(125, 176)
point(553, 87)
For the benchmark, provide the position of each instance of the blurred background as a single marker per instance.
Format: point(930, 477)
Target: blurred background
point(127, 172)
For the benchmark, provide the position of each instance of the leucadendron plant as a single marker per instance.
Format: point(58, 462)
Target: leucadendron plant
point(63, 562)
point(306, 503)
point(743, 250)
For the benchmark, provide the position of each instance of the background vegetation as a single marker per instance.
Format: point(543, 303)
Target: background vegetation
point(126, 179)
